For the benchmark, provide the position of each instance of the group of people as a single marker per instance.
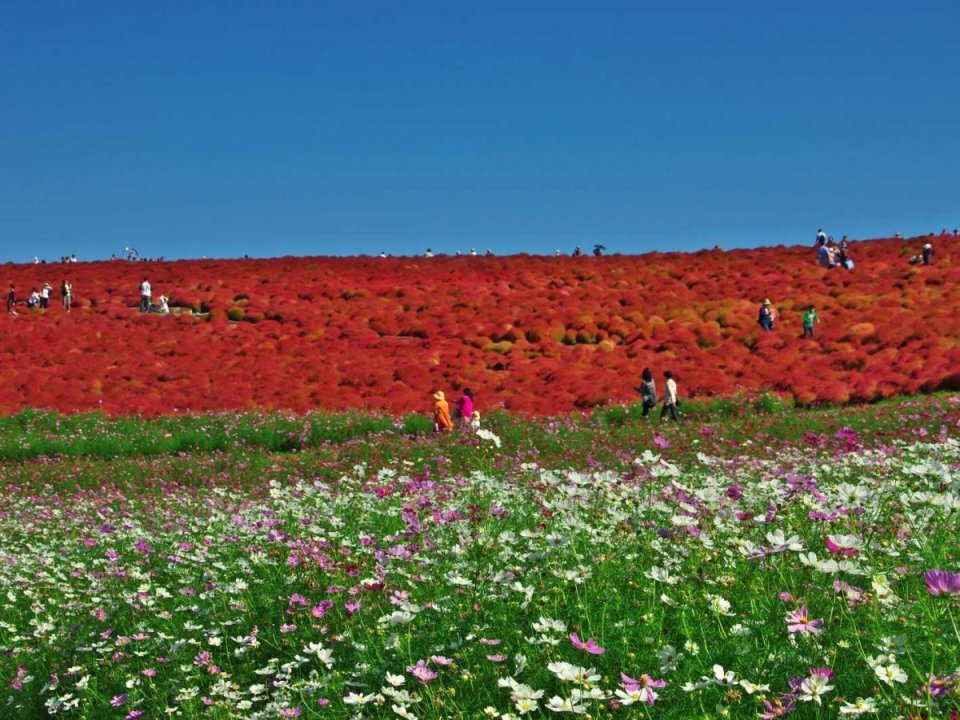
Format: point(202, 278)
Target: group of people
point(830, 254)
point(40, 297)
point(464, 414)
point(146, 300)
point(648, 395)
point(767, 317)
point(924, 257)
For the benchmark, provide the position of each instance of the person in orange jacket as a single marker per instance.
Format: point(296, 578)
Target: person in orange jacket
point(441, 413)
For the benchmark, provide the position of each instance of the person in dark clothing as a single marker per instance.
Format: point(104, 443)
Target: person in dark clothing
point(648, 391)
point(766, 315)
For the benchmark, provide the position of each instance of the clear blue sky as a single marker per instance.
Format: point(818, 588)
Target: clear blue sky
point(301, 128)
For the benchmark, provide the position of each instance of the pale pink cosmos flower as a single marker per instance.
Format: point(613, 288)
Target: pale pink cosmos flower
point(799, 621)
point(590, 645)
point(421, 672)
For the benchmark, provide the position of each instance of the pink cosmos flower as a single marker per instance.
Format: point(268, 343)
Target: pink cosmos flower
point(291, 712)
point(776, 708)
point(941, 582)
point(799, 621)
point(661, 442)
point(118, 700)
point(421, 672)
point(590, 645)
point(318, 611)
point(833, 548)
point(441, 660)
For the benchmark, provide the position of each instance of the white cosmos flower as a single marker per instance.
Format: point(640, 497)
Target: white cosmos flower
point(890, 674)
point(395, 680)
point(484, 434)
point(558, 704)
point(723, 677)
point(813, 687)
point(859, 706)
point(353, 698)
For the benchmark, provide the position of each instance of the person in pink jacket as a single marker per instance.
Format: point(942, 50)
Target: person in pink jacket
point(464, 409)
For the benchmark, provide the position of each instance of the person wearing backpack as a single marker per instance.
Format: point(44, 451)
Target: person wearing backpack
point(648, 391)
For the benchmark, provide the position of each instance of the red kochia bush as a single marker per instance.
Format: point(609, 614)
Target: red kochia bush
point(533, 334)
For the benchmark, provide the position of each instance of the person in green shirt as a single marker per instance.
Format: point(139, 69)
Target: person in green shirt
point(810, 318)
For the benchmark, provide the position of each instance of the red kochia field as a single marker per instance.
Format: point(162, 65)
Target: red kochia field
point(529, 333)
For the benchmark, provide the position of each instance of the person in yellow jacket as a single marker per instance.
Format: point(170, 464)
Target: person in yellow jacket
point(441, 413)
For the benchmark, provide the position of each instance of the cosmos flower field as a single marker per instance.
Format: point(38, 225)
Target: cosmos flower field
point(801, 564)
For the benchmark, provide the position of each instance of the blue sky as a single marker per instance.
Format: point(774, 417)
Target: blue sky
point(311, 128)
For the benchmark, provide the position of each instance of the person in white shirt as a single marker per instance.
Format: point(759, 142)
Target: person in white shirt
point(145, 292)
point(45, 295)
point(670, 398)
point(163, 307)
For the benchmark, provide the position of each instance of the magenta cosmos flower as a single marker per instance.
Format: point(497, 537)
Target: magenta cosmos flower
point(941, 582)
point(590, 645)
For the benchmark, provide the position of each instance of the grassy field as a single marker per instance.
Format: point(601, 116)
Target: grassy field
point(749, 561)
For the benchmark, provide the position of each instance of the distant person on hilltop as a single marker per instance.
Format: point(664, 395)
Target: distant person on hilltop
point(577, 251)
point(825, 256)
point(821, 237)
point(145, 293)
point(428, 253)
point(767, 315)
point(66, 294)
point(648, 391)
point(925, 256)
point(598, 250)
point(441, 414)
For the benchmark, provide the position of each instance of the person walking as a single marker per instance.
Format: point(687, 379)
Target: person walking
point(45, 295)
point(670, 398)
point(441, 414)
point(66, 294)
point(11, 299)
point(464, 409)
point(648, 391)
point(810, 318)
point(145, 292)
point(767, 315)
point(927, 254)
